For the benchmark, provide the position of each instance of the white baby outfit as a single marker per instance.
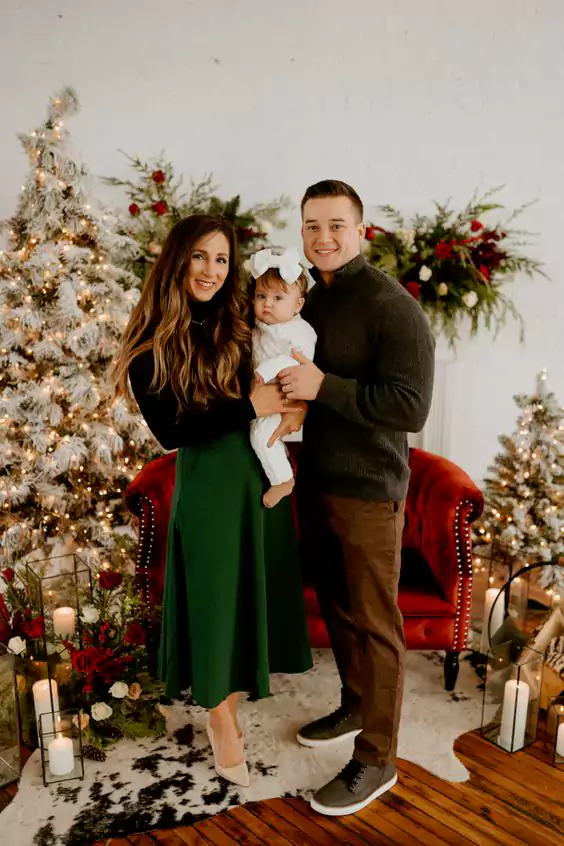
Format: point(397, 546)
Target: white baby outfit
point(272, 352)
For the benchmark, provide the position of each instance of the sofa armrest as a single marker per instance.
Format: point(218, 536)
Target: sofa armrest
point(442, 502)
point(149, 497)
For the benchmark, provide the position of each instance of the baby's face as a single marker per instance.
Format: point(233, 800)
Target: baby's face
point(277, 303)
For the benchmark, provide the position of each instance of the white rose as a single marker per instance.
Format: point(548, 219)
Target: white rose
point(407, 236)
point(90, 614)
point(247, 265)
point(265, 226)
point(425, 273)
point(101, 711)
point(470, 299)
point(119, 690)
point(16, 645)
point(443, 289)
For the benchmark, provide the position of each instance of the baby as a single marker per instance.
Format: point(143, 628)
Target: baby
point(280, 287)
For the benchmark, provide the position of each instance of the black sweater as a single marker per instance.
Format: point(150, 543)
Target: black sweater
point(193, 425)
point(376, 348)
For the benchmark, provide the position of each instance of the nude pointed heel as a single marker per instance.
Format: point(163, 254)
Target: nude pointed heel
point(238, 774)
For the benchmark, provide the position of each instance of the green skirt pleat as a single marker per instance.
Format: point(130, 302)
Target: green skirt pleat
point(233, 609)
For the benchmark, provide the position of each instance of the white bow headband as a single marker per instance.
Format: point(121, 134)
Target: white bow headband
point(288, 264)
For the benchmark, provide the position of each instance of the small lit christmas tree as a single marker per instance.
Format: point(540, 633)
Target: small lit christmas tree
point(68, 451)
point(158, 201)
point(524, 510)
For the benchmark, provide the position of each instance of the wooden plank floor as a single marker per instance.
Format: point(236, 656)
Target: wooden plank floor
point(513, 800)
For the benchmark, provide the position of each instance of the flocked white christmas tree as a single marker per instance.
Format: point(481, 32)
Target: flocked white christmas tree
point(524, 495)
point(67, 451)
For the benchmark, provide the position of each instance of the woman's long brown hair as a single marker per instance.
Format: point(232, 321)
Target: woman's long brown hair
point(161, 322)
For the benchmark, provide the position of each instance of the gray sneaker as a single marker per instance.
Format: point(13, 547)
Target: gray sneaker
point(334, 728)
point(353, 789)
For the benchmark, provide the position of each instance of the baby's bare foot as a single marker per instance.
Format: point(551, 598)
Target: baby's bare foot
point(277, 492)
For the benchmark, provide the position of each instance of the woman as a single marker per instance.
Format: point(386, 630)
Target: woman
point(233, 606)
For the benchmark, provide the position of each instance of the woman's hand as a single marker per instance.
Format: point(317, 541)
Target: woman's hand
point(269, 399)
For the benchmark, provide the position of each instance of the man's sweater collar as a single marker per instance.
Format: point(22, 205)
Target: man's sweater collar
point(351, 268)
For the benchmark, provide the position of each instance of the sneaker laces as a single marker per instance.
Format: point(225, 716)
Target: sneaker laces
point(352, 774)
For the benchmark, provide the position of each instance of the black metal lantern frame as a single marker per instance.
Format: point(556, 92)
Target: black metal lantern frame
point(10, 757)
point(60, 743)
point(512, 691)
point(554, 733)
point(57, 586)
point(498, 571)
point(504, 594)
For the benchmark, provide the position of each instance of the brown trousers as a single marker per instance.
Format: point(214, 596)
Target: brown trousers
point(352, 552)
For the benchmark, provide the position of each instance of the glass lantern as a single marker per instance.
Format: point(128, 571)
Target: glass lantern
point(511, 701)
point(10, 761)
point(60, 741)
point(499, 600)
point(58, 587)
point(555, 730)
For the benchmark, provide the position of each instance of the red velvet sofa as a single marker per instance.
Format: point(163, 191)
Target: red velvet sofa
point(436, 578)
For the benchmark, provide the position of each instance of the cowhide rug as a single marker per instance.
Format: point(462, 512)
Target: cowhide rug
point(171, 781)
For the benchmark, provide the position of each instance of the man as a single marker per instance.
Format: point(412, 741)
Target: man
point(370, 384)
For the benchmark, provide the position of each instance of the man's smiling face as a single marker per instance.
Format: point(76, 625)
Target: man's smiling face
point(332, 232)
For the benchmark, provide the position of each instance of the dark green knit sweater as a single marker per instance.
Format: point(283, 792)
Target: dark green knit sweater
point(376, 348)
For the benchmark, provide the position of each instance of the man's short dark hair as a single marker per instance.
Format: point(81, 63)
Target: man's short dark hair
point(333, 188)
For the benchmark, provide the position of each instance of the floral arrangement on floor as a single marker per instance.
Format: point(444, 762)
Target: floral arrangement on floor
point(158, 201)
point(110, 678)
point(103, 670)
point(454, 263)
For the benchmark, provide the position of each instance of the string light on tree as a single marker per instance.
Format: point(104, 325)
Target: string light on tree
point(524, 493)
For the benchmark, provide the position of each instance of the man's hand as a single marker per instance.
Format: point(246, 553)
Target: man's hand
point(292, 421)
point(303, 382)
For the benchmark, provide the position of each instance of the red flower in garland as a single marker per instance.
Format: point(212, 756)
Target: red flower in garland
point(34, 628)
point(484, 271)
point(246, 233)
point(413, 288)
point(160, 208)
point(370, 233)
point(475, 226)
point(8, 574)
point(134, 209)
point(491, 235)
point(135, 635)
point(109, 669)
point(109, 580)
point(5, 630)
point(86, 660)
point(159, 177)
point(443, 250)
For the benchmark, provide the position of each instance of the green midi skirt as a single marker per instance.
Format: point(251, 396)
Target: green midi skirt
point(233, 608)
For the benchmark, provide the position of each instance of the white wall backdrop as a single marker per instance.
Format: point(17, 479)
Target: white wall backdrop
point(407, 100)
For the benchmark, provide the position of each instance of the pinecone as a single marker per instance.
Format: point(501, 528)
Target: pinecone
point(93, 753)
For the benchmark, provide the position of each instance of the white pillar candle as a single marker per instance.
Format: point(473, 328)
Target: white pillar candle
point(560, 740)
point(61, 756)
point(497, 618)
point(64, 621)
point(514, 715)
point(43, 705)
